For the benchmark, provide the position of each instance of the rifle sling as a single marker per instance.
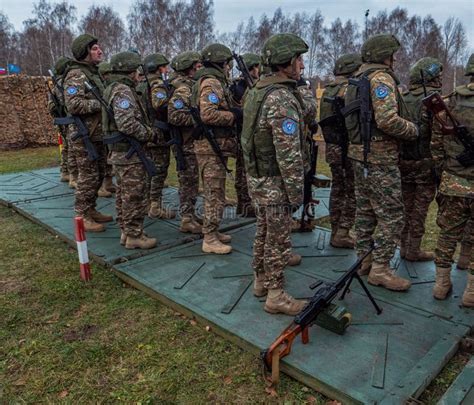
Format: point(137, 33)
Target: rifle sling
point(63, 121)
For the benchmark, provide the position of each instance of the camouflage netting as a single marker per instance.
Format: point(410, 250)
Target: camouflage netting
point(24, 117)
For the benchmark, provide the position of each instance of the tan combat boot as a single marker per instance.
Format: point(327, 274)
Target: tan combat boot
point(382, 275)
point(295, 259)
point(72, 181)
point(142, 242)
point(64, 178)
point(92, 226)
point(280, 302)
point(109, 184)
point(211, 244)
point(123, 238)
point(464, 257)
point(103, 192)
point(224, 238)
point(342, 239)
point(468, 296)
point(443, 284)
point(157, 211)
point(415, 254)
point(189, 225)
point(366, 265)
point(99, 217)
point(258, 289)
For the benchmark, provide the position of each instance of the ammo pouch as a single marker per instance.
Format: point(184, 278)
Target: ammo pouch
point(119, 142)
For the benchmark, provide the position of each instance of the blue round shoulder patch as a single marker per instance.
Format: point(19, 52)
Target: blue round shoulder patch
point(161, 95)
point(178, 104)
point(381, 91)
point(213, 98)
point(71, 90)
point(289, 126)
point(124, 104)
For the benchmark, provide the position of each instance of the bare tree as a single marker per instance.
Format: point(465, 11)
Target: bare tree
point(104, 23)
point(7, 40)
point(454, 45)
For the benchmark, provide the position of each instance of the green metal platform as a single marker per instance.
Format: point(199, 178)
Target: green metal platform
point(380, 359)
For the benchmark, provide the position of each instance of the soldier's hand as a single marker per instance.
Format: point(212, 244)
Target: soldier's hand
point(313, 126)
point(238, 114)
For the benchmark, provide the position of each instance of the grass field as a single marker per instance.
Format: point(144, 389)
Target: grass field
point(64, 341)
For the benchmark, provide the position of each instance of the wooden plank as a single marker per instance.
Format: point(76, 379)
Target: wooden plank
point(380, 362)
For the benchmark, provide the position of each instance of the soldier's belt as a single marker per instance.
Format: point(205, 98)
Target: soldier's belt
point(63, 121)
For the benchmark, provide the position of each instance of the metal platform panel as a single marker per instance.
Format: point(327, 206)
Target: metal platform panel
point(461, 390)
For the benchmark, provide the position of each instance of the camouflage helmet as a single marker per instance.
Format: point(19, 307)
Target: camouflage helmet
point(379, 47)
point(347, 64)
point(185, 60)
point(281, 48)
point(104, 68)
point(154, 61)
point(81, 45)
point(430, 67)
point(125, 62)
point(216, 53)
point(61, 65)
point(470, 66)
point(251, 60)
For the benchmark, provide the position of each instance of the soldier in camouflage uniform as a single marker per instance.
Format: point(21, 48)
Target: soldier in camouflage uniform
point(238, 88)
point(82, 104)
point(107, 187)
point(456, 205)
point(379, 208)
point(129, 119)
point(212, 96)
point(272, 143)
point(342, 204)
point(416, 164)
point(57, 109)
point(466, 248)
point(156, 100)
point(185, 65)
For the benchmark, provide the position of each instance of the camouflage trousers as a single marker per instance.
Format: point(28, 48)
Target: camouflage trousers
point(379, 209)
point(418, 191)
point(188, 181)
point(454, 216)
point(89, 176)
point(68, 160)
point(240, 184)
point(272, 245)
point(161, 157)
point(213, 177)
point(130, 203)
point(342, 204)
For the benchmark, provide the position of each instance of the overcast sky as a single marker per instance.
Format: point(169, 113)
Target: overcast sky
point(228, 13)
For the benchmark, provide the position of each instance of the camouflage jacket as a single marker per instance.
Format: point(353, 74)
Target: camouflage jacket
point(456, 180)
point(80, 102)
point(281, 118)
point(388, 122)
point(129, 118)
point(214, 102)
point(178, 107)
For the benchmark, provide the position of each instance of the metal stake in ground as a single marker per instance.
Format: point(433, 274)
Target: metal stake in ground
point(81, 242)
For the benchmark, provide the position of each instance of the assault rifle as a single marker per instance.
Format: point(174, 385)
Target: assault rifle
point(365, 115)
point(323, 297)
point(208, 133)
point(451, 126)
point(58, 104)
point(174, 132)
point(338, 122)
point(115, 137)
point(307, 214)
point(243, 69)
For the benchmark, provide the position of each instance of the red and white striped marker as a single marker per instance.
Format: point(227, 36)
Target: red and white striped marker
point(82, 249)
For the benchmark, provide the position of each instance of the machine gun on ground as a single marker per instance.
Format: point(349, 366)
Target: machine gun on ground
point(451, 126)
point(323, 297)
